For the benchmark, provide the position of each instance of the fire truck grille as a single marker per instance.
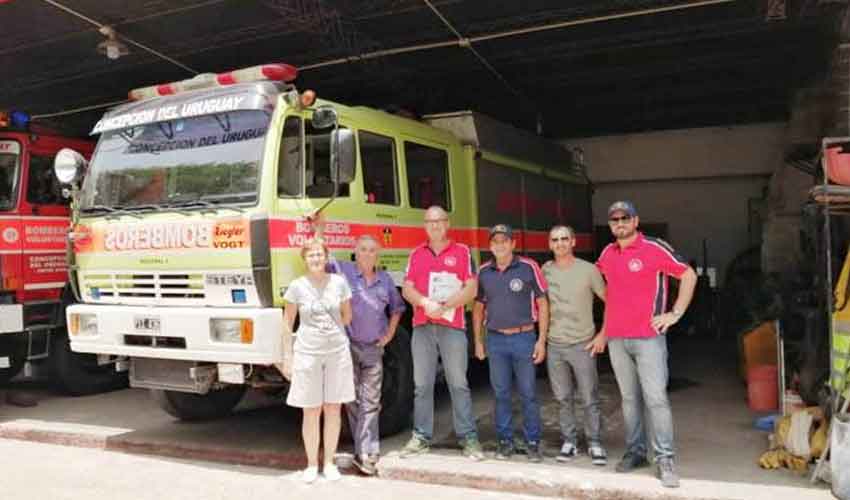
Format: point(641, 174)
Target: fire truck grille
point(144, 288)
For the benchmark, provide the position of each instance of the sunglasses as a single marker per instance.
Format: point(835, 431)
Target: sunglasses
point(561, 238)
point(625, 218)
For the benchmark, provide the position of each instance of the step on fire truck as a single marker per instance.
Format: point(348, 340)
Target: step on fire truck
point(34, 221)
point(194, 207)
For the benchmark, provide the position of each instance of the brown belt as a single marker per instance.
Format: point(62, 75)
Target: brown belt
point(519, 329)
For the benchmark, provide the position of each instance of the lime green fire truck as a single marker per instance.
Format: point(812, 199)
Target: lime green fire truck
point(189, 219)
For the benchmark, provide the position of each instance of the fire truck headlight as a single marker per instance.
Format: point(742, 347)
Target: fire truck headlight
point(83, 324)
point(239, 331)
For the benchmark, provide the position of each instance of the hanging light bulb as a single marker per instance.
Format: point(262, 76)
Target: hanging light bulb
point(112, 47)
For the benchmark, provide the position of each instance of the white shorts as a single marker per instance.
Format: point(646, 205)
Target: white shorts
point(321, 378)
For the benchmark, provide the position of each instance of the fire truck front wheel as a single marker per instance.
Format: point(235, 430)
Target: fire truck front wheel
point(79, 374)
point(13, 355)
point(188, 406)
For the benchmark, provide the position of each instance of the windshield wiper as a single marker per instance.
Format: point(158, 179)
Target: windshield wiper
point(192, 203)
point(116, 210)
point(188, 204)
point(226, 200)
point(149, 206)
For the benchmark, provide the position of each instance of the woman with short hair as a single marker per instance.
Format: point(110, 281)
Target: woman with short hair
point(319, 365)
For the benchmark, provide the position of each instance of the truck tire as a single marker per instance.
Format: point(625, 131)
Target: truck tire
point(14, 347)
point(195, 407)
point(397, 386)
point(79, 374)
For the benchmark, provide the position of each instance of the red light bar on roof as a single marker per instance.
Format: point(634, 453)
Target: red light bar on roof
point(265, 72)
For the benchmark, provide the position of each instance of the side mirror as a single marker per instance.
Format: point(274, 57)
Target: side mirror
point(343, 155)
point(325, 117)
point(69, 165)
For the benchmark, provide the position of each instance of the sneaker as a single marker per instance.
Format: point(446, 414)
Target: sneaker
point(331, 472)
point(472, 449)
point(416, 446)
point(598, 455)
point(568, 452)
point(666, 472)
point(532, 450)
point(366, 464)
point(631, 461)
point(310, 474)
point(506, 450)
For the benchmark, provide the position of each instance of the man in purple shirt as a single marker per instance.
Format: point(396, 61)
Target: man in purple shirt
point(377, 307)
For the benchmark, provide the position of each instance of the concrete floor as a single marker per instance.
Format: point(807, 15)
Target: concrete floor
point(715, 437)
point(60, 472)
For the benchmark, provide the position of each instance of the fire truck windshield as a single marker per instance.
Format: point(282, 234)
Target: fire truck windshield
point(195, 161)
point(9, 166)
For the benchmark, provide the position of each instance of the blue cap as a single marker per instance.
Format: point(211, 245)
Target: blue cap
point(623, 206)
point(501, 229)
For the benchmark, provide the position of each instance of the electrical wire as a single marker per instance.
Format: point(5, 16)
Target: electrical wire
point(140, 45)
point(47, 41)
point(520, 31)
point(78, 110)
point(459, 42)
point(464, 42)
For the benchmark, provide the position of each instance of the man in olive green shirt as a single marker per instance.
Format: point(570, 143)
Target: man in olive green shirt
point(573, 342)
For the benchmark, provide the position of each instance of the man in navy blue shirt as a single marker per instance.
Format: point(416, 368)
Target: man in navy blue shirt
point(511, 299)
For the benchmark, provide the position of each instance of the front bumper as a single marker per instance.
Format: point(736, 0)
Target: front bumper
point(184, 333)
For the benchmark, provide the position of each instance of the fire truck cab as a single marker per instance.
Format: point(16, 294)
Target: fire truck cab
point(191, 216)
point(34, 220)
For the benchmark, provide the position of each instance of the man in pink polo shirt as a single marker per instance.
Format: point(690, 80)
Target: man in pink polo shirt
point(636, 269)
point(440, 281)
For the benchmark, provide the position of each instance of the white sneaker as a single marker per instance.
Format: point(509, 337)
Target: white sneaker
point(331, 472)
point(568, 452)
point(310, 474)
point(598, 455)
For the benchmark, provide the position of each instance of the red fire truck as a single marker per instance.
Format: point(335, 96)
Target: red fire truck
point(34, 220)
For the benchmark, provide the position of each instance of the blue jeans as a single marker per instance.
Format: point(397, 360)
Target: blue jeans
point(429, 342)
point(640, 366)
point(511, 356)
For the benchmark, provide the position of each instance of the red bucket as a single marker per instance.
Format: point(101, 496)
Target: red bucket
point(838, 165)
point(762, 388)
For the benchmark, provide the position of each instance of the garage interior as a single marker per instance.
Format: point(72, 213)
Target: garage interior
point(708, 115)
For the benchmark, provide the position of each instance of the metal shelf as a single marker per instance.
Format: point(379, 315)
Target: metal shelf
point(835, 200)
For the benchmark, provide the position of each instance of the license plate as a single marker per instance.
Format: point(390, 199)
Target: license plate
point(146, 324)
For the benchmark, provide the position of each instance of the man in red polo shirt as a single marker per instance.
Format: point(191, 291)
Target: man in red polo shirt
point(440, 281)
point(636, 269)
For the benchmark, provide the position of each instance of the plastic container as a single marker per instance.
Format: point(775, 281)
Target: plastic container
point(792, 402)
point(840, 456)
point(758, 347)
point(838, 165)
point(767, 423)
point(762, 388)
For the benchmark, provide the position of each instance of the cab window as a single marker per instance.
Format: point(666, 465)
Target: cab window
point(317, 173)
point(304, 160)
point(378, 161)
point(289, 170)
point(42, 186)
point(427, 175)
